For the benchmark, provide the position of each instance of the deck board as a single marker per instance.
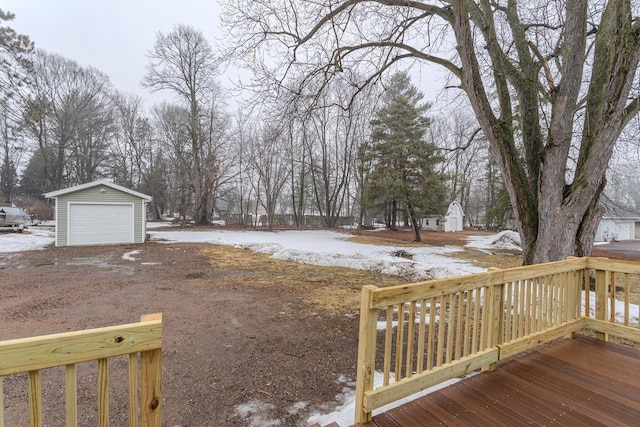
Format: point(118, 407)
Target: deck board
point(581, 381)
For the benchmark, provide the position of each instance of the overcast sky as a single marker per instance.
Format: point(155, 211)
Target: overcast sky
point(114, 35)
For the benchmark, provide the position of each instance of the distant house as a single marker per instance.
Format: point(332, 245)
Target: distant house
point(452, 221)
point(618, 223)
point(99, 213)
point(432, 223)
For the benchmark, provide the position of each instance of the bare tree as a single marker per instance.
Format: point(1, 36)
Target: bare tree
point(12, 151)
point(271, 168)
point(92, 136)
point(130, 143)
point(466, 152)
point(330, 143)
point(183, 63)
point(217, 156)
point(298, 169)
point(170, 123)
point(67, 114)
point(242, 201)
point(546, 80)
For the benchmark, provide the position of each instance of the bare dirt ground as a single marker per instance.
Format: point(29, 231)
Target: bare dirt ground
point(239, 328)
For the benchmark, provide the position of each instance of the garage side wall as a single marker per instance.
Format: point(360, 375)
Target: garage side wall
point(98, 194)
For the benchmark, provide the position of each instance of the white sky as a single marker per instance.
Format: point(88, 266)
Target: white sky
point(114, 36)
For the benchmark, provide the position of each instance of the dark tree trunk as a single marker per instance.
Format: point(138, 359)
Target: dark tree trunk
point(394, 215)
point(414, 223)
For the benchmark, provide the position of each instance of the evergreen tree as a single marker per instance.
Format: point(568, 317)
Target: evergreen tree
point(14, 67)
point(403, 174)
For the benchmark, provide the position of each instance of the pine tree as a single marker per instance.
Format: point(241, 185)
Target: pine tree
point(403, 174)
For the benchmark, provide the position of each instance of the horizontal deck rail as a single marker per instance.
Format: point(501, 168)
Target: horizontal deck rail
point(418, 335)
point(141, 342)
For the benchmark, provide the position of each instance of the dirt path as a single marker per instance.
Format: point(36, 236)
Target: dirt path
point(228, 340)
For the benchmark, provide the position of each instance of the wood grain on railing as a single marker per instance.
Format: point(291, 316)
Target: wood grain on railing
point(32, 355)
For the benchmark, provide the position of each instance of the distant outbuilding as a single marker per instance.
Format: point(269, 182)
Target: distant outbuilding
point(99, 213)
point(618, 223)
point(452, 221)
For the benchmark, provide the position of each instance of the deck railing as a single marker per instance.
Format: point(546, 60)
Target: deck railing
point(141, 342)
point(433, 331)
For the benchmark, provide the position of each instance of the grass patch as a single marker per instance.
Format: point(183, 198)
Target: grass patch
point(333, 289)
point(501, 259)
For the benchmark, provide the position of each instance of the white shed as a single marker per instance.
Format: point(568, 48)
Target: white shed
point(454, 220)
point(98, 213)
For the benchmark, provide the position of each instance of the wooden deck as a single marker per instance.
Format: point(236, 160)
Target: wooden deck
point(572, 382)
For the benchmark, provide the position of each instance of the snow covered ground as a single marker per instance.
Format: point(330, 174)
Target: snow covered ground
point(328, 248)
point(31, 239)
point(325, 248)
point(504, 240)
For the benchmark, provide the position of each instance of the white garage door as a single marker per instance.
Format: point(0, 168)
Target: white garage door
point(95, 224)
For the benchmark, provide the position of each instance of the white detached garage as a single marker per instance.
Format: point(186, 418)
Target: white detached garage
point(99, 213)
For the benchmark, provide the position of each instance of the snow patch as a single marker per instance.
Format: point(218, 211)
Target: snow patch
point(130, 256)
point(32, 239)
point(507, 239)
point(333, 249)
point(634, 309)
point(257, 414)
point(159, 224)
point(297, 407)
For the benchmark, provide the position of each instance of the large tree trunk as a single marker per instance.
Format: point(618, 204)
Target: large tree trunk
point(555, 219)
point(201, 208)
point(414, 223)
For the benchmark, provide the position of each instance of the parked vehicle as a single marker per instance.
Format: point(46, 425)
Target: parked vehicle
point(13, 219)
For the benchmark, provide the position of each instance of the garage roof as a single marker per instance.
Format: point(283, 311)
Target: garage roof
point(57, 193)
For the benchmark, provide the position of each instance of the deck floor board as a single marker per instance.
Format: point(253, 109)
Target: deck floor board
point(581, 381)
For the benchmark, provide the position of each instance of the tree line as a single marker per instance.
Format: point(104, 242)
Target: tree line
point(383, 157)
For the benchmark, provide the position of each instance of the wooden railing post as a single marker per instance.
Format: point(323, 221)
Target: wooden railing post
point(601, 300)
point(151, 378)
point(494, 302)
point(35, 398)
point(576, 281)
point(575, 291)
point(366, 353)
